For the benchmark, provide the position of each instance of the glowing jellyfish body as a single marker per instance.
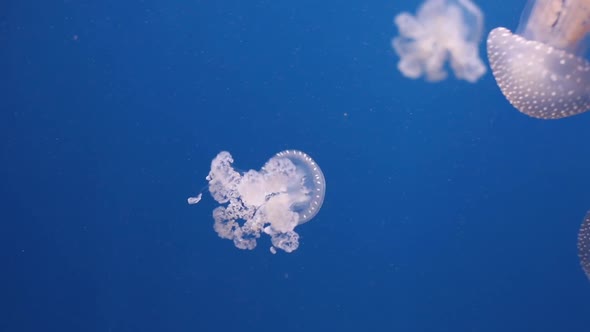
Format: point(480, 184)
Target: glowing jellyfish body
point(584, 245)
point(441, 31)
point(288, 191)
point(540, 69)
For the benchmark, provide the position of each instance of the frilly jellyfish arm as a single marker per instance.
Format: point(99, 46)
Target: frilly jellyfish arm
point(442, 31)
point(584, 245)
point(540, 69)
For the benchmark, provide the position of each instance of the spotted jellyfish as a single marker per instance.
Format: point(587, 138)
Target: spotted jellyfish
point(286, 192)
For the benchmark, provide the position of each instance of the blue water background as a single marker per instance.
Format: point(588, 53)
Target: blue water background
point(446, 209)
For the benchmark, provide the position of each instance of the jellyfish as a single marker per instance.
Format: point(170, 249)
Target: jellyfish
point(288, 191)
point(584, 245)
point(442, 30)
point(541, 69)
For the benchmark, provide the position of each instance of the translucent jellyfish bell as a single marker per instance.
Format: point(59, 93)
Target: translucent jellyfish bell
point(584, 245)
point(442, 31)
point(541, 69)
point(307, 202)
point(288, 191)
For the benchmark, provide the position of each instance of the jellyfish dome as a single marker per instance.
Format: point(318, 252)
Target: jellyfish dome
point(288, 191)
point(584, 245)
point(541, 69)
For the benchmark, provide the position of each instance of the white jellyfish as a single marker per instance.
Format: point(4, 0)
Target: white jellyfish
point(541, 69)
point(287, 192)
point(442, 30)
point(584, 245)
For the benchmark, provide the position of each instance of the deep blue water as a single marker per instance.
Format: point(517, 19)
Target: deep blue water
point(446, 209)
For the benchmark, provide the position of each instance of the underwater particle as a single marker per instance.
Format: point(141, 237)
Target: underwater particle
point(540, 69)
point(288, 191)
point(442, 31)
point(584, 245)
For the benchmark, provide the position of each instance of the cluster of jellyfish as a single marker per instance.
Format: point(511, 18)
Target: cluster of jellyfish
point(542, 72)
point(540, 69)
point(286, 192)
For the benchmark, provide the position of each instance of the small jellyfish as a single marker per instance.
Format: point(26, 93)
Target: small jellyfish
point(442, 30)
point(287, 192)
point(541, 69)
point(584, 245)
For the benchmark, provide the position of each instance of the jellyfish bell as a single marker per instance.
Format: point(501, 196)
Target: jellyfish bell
point(307, 189)
point(287, 192)
point(541, 68)
point(584, 245)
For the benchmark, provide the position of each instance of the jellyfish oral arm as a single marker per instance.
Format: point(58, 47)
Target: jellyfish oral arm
point(195, 200)
point(442, 31)
point(558, 23)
